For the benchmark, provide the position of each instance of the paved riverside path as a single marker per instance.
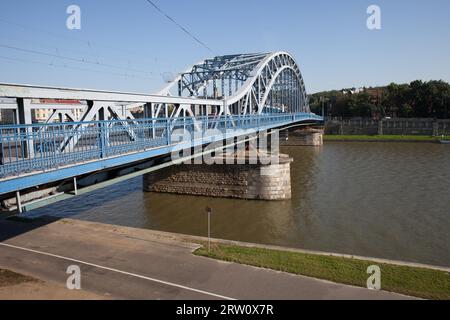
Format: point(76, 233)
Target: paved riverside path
point(127, 263)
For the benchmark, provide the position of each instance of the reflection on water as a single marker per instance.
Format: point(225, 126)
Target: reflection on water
point(385, 200)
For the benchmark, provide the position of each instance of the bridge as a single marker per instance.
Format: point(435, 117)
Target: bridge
point(120, 135)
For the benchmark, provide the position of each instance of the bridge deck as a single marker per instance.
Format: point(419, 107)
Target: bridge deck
point(36, 154)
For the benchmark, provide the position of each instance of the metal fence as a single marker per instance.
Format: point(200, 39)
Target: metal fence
point(394, 126)
point(42, 147)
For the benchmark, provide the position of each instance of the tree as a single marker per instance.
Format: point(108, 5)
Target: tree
point(417, 99)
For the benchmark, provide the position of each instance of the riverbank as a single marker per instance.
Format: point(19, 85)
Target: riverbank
point(126, 263)
point(383, 138)
point(413, 281)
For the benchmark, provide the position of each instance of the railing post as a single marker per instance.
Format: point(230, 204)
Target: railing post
point(102, 132)
point(227, 121)
point(1, 147)
point(225, 112)
point(169, 140)
point(102, 139)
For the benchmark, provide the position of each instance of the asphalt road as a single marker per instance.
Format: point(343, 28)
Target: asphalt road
point(127, 263)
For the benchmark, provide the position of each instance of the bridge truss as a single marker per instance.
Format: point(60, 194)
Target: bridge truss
point(249, 83)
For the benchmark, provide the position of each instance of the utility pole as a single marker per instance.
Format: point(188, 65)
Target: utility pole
point(446, 107)
point(330, 107)
point(323, 106)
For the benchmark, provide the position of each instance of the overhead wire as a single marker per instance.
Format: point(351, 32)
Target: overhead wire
point(65, 36)
point(185, 30)
point(51, 64)
point(89, 43)
point(59, 56)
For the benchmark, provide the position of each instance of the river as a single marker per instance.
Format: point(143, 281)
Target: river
point(386, 200)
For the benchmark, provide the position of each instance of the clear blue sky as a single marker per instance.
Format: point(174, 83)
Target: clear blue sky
point(329, 39)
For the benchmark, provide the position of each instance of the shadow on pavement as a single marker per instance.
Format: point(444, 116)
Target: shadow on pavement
point(13, 226)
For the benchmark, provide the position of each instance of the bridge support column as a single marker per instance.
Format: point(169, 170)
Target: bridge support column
point(239, 181)
point(302, 137)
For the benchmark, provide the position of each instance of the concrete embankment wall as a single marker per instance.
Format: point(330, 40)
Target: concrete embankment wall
point(240, 181)
point(397, 126)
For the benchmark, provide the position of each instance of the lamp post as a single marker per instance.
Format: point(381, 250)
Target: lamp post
point(209, 211)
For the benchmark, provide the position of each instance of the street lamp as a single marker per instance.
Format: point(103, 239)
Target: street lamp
point(209, 211)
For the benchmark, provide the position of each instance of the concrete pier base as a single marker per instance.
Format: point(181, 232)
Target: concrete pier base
point(302, 137)
point(239, 181)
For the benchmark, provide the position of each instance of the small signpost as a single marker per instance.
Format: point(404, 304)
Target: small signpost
point(209, 211)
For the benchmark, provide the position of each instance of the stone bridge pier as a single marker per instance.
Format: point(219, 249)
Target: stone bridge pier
point(311, 136)
point(253, 180)
point(237, 176)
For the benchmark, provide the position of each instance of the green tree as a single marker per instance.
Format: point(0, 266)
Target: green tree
point(417, 99)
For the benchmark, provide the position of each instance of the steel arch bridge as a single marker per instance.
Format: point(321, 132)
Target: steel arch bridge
point(88, 131)
point(248, 83)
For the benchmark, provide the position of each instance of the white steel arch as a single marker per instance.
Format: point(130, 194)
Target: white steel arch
point(255, 83)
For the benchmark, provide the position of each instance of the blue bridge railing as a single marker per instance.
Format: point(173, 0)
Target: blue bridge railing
point(41, 147)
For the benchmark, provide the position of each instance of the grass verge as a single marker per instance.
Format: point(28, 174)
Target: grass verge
point(382, 138)
point(418, 282)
